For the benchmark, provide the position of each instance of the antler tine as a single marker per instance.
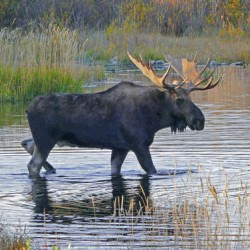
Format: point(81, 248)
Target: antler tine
point(195, 55)
point(188, 71)
point(143, 62)
point(205, 67)
point(209, 85)
point(175, 68)
point(182, 83)
point(194, 58)
point(166, 74)
point(148, 71)
point(208, 77)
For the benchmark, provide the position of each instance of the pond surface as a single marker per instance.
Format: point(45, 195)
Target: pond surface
point(78, 206)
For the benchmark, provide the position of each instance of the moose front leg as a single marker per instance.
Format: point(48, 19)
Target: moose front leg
point(117, 158)
point(144, 157)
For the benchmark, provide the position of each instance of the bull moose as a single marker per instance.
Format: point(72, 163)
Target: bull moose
point(125, 117)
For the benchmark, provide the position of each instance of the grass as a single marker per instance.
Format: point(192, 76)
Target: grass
point(42, 60)
point(224, 48)
point(195, 213)
point(24, 83)
point(193, 216)
point(13, 239)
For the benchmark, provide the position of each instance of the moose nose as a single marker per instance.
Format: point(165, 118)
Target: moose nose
point(200, 124)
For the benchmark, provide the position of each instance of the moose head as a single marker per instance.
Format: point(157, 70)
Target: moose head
point(186, 112)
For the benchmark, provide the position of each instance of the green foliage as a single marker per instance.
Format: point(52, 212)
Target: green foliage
point(233, 18)
point(55, 248)
point(134, 14)
point(23, 83)
point(27, 244)
point(40, 61)
point(132, 19)
point(236, 10)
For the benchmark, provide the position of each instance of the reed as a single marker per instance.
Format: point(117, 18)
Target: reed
point(197, 212)
point(13, 238)
point(195, 216)
point(38, 46)
point(39, 61)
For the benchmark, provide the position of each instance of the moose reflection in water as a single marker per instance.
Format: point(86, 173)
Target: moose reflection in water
point(118, 198)
point(122, 118)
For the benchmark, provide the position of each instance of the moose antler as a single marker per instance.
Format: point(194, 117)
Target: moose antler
point(188, 69)
point(148, 71)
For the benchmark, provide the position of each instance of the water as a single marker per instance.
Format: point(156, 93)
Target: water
point(77, 206)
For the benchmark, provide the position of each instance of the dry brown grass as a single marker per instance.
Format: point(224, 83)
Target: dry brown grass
point(221, 48)
point(196, 215)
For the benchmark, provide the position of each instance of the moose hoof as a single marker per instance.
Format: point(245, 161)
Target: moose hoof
point(51, 171)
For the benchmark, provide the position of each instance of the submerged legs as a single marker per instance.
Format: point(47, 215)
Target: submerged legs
point(39, 157)
point(35, 164)
point(117, 158)
point(143, 155)
point(29, 146)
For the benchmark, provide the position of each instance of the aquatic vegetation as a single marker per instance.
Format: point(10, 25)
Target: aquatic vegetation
point(198, 213)
point(195, 216)
point(13, 239)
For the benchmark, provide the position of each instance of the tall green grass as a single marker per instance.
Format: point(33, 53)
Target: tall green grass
point(23, 83)
point(39, 61)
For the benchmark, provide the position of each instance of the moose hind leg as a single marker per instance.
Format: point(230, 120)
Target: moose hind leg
point(29, 146)
point(144, 157)
point(36, 162)
point(117, 158)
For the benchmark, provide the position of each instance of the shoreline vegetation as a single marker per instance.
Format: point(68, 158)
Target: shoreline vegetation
point(41, 60)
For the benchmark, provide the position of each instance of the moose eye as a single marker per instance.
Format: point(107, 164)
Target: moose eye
point(180, 101)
